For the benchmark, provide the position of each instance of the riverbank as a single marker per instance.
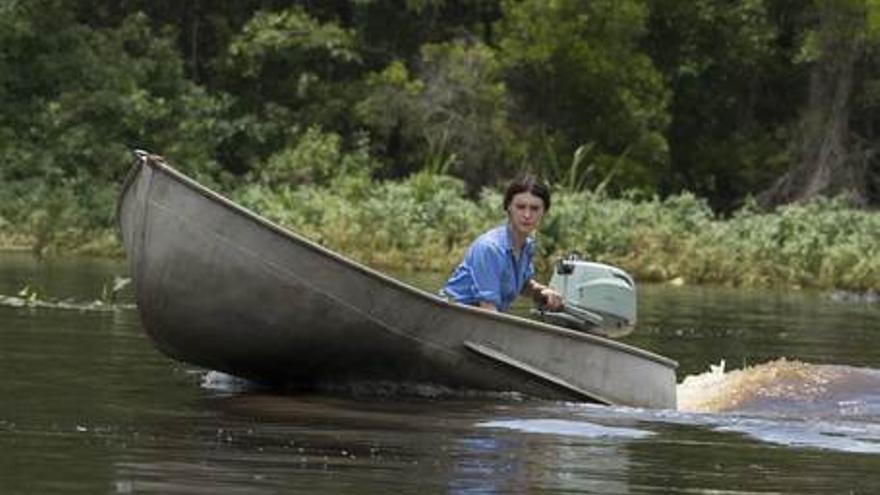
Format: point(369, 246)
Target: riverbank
point(425, 223)
point(94, 242)
point(11, 242)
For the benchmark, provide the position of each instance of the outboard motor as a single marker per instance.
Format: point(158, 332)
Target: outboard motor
point(598, 298)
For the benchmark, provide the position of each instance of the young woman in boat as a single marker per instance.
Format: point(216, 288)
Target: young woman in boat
point(497, 266)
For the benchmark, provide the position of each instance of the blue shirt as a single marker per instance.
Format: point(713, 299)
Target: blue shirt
point(490, 272)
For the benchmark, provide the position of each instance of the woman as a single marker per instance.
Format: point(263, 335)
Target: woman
point(498, 265)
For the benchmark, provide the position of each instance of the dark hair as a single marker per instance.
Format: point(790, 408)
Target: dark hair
point(530, 184)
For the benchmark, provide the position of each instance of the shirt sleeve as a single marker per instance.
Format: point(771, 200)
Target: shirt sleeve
point(487, 263)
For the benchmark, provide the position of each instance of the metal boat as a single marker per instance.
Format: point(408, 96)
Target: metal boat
point(220, 287)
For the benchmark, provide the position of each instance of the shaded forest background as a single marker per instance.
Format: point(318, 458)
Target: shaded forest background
point(742, 103)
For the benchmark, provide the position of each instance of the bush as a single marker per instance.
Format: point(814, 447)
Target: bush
point(426, 222)
point(315, 158)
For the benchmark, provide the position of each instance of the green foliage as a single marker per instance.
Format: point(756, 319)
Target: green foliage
point(291, 38)
point(426, 223)
point(288, 54)
point(820, 244)
point(578, 75)
point(316, 158)
point(451, 116)
point(730, 66)
point(73, 216)
point(422, 222)
point(288, 70)
point(75, 103)
point(96, 93)
point(824, 242)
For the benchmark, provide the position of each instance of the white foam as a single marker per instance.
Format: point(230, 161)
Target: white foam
point(789, 403)
point(34, 303)
point(223, 382)
point(567, 428)
point(782, 388)
point(845, 437)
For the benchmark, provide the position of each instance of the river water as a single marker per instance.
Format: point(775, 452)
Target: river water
point(779, 392)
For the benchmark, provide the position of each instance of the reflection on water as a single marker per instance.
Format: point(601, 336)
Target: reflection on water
point(566, 427)
point(779, 393)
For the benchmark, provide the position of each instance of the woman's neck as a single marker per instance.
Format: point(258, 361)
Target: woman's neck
point(518, 238)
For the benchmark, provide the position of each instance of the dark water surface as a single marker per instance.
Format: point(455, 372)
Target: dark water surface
point(779, 393)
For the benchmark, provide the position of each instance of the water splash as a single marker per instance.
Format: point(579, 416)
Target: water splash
point(224, 383)
point(785, 388)
point(31, 298)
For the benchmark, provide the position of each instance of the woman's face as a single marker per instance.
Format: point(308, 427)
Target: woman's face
point(525, 212)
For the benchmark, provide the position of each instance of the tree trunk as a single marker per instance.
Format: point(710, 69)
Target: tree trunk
point(828, 158)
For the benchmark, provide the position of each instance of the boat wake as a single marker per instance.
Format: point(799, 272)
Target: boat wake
point(785, 388)
point(782, 402)
point(789, 403)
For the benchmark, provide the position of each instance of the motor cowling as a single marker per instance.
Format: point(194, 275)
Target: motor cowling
point(597, 297)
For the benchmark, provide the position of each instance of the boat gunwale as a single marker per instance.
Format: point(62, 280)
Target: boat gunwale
point(158, 163)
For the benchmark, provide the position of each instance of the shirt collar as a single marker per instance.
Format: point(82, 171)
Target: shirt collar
point(507, 239)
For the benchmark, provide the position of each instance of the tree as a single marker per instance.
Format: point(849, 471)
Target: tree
point(77, 99)
point(288, 71)
point(450, 116)
point(578, 76)
point(735, 92)
point(835, 150)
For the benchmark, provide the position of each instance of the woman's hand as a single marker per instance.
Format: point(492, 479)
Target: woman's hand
point(552, 299)
point(545, 296)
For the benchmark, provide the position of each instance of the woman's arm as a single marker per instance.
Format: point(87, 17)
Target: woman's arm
point(543, 295)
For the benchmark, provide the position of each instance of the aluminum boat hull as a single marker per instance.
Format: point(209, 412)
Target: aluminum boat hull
point(220, 287)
